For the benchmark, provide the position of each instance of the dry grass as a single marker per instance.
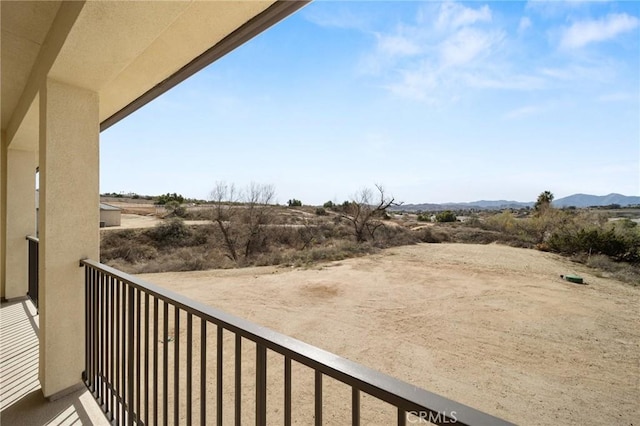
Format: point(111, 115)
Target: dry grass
point(607, 268)
point(300, 238)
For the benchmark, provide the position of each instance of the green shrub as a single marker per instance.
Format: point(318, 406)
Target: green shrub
point(164, 199)
point(175, 209)
point(424, 217)
point(620, 246)
point(502, 222)
point(320, 211)
point(170, 233)
point(446, 216)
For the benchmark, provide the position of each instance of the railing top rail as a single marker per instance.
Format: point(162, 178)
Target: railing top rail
point(32, 238)
point(401, 394)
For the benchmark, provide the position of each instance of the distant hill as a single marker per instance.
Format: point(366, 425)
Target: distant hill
point(481, 205)
point(586, 200)
point(577, 200)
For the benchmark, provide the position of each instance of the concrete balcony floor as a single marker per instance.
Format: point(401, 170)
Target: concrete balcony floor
point(21, 399)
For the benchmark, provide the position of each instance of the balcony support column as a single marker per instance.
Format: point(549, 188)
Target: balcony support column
point(68, 227)
point(20, 219)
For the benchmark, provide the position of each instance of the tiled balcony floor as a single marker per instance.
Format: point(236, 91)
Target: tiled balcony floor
point(21, 400)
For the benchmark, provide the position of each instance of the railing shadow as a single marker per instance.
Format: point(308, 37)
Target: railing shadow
point(21, 398)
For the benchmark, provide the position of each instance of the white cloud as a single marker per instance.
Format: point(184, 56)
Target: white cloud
point(618, 97)
point(340, 17)
point(451, 48)
point(602, 72)
point(453, 15)
point(555, 8)
point(433, 58)
point(525, 111)
point(397, 45)
point(466, 45)
point(525, 24)
point(418, 83)
point(492, 79)
point(590, 31)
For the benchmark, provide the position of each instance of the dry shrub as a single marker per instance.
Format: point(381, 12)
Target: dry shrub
point(393, 236)
point(177, 260)
point(198, 213)
point(126, 245)
point(172, 232)
point(337, 250)
point(501, 222)
point(441, 233)
point(618, 270)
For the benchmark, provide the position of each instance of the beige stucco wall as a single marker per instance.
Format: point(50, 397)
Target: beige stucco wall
point(110, 217)
point(69, 171)
point(20, 219)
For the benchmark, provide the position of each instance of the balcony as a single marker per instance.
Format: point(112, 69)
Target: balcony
point(155, 357)
point(21, 398)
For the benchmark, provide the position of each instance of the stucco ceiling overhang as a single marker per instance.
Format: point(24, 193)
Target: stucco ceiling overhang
point(127, 52)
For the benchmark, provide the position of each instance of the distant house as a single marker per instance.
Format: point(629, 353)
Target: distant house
point(109, 215)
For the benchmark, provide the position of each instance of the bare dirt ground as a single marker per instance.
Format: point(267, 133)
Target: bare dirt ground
point(135, 221)
point(489, 326)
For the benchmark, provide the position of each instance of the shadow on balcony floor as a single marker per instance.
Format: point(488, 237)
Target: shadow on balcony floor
point(21, 400)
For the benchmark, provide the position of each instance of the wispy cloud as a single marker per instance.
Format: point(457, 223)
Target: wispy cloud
point(436, 52)
point(467, 44)
point(339, 17)
point(450, 48)
point(582, 33)
point(420, 83)
point(453, 16)
point(554, 8)
point(618, 97)
point(397, 45)
point(497, 79)
point(523, 112)
point(592, 72)
point(524, 25)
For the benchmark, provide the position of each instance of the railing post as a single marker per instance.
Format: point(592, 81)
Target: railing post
point(355, 407)
point(87, 359)
point(130, 360)
point(33, 285)
point(318, 398)
point(261, 385)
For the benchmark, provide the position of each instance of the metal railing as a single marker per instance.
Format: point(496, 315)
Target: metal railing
point(137, 379)
point(33, 270)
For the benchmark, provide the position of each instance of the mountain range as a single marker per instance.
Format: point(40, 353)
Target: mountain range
point(576, 200)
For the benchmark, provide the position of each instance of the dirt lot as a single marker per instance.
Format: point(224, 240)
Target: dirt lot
point(135, 221)
point(491, 326)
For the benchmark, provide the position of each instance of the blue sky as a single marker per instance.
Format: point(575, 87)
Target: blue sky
point(436, 101)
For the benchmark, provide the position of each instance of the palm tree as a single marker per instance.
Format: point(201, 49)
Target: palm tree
point(544, 201)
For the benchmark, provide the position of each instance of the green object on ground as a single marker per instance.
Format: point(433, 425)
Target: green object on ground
point(573, 278)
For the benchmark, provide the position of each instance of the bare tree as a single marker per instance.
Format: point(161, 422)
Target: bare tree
point(257, 215)
point(223, 196)
point(307, 234)
point(241, 217)
point(366, 210)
